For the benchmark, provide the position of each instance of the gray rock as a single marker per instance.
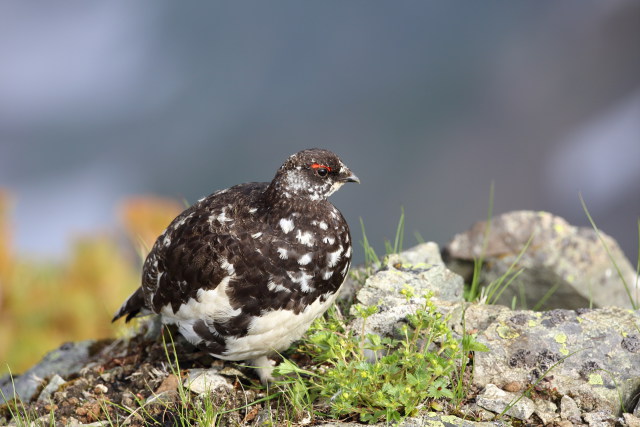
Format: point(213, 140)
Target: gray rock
point(72, 422)
point(497, 400)
point(435, 419)
point(599, 419)
point(590, 349)
point(54, 384)
point(203, 381)
point(593, 355)
point(429, 419)
point(420, 256)
point(569, 410)
point(561, 256)
point(631, 420)
point(424, 253)
point(475, 412)
point(384, 289)
point(165, 398)
point(69, 359)
point(546, 411)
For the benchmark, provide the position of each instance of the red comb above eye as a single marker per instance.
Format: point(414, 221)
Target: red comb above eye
point(318, 166)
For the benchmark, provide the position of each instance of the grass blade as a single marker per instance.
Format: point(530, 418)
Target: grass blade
point(474, 288)
point(606, 248)
point(397, 244)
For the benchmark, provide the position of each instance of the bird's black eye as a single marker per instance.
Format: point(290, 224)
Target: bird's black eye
point(321, 170)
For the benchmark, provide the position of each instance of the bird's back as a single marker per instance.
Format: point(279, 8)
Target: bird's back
point(234, 261)
point(245, 271)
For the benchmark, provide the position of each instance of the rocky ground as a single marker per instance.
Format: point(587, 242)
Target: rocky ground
point(114, 379)
point(575, 363)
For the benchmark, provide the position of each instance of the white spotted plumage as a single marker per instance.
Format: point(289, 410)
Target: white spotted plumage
point(333, 257)
point(244, 271)
point(283, 253)
point(305, 237)
point(305, 259)
point(286, 225)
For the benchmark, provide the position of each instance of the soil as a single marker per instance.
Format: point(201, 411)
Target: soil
point(136, 382)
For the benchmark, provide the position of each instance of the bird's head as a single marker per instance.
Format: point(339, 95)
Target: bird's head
point(312, 174)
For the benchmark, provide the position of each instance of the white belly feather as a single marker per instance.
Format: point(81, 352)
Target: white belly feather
point(272, 331)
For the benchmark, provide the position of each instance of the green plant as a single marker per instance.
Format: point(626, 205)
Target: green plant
point(294, 388)
point(186, 410)
point(546, 296)
point(399, 239)
point(383, 378)
point(468, 344)
point(491, 293)
point(612, 375)
point(371, 260)
point(472, 292)
point(632, 300)
point(189, 411)
point(20, 414)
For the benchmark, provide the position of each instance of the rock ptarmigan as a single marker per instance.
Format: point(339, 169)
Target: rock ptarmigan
point(244, 271)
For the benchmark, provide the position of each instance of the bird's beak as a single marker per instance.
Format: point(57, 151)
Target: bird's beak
point(350, 177)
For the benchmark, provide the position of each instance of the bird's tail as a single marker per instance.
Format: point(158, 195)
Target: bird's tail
point(134, 306)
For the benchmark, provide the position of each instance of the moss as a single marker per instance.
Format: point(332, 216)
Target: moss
point(506, 332)
point(561, 338)
point(595, 379)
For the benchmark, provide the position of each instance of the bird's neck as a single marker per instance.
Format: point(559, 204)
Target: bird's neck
point(276, 198)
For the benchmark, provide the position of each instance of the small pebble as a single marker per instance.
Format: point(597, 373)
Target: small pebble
point(513, 386)
point(631, 420)
point(100, 389)
point(569, 410)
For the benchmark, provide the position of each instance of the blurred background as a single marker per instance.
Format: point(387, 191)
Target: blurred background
point(114, 114)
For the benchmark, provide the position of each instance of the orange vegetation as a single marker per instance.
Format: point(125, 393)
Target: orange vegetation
point(44, 303)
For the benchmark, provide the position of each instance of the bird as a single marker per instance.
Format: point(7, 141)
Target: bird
point(243, 272)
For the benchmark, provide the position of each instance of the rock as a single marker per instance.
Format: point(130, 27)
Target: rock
point(385, 290)
point(585, 360)
point(128, 399)
point(203, 381)
point(54, 384)
point(170, 383)
point(546, 411)
point(513, 387)
point(352, 283)
point(424, 253)
point(473, 411)
point(631, 420)
point(599, 419)
point(579, 353)
point(166, 392)
point(435, 419)
point(561, 256)
point(569, 410)
point(100, 389)
point(384, 287)
point(230, 371)
point(68, 359)
point(497, 400)
point(73, 422)
point(429, 419)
